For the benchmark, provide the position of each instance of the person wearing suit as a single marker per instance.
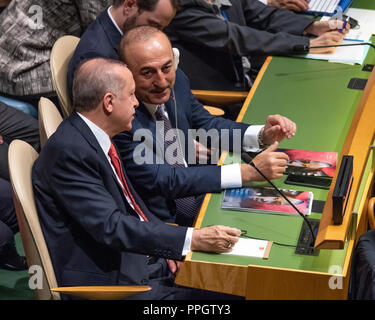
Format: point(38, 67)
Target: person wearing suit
point(9, 257)
point(295, 5)
point(28, 30)
point(97, 229)
point(148, 53)
point(102, 38)
point(223, 42)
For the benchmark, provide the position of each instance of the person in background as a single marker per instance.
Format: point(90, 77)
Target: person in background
point(28, 30)
point(295, 5)
point(15, 124)
point(223, 43)
point(9, 257)
point(103, 37)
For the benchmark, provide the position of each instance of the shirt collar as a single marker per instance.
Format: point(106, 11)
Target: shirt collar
point(152, 108)
point(220, 3)
point(100, 134)
point(113, 20)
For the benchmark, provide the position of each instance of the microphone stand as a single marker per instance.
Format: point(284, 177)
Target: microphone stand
point(249, 161)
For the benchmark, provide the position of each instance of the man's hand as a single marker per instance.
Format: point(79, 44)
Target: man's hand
point(1, 140)
point(173, 265)
point(332, 38)
point(214, 239)
point(271, 163)
point(320, 27)
point(277, 128)
point(295, 5)
point(202, 154)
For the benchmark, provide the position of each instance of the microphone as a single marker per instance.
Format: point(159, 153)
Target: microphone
point(245, 157)
point(302, 48)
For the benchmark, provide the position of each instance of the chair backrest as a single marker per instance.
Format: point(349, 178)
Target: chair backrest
point(49, 119)
point(21, 159)
point(62, 52)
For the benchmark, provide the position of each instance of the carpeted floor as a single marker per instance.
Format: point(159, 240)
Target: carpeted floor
point(14, 284)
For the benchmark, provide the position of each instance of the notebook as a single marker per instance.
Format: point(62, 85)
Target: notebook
point(327, 7)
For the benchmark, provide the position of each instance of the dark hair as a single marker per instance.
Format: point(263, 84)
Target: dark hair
point(146, 5)
point(91, 83)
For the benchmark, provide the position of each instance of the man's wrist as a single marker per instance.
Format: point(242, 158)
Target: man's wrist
point(261, 142)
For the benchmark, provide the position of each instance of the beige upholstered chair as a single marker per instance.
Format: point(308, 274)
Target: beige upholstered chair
point(62, 52)
point(21, 160)
point(49, 119)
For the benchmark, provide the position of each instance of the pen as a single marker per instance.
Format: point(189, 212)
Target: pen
point(344, 25)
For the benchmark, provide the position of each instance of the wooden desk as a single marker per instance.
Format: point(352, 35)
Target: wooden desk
point(329, 117)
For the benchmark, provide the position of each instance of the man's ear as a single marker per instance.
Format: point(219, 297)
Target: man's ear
point(108, 102)
point(176, 57)
point(129, 6)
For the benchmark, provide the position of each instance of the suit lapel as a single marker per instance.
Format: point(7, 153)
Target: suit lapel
point(110, 30)
point(86, 132)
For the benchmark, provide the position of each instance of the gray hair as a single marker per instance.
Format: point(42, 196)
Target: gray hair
point(93, 79)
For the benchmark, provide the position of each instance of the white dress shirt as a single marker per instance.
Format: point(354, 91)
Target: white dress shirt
point(231, 173)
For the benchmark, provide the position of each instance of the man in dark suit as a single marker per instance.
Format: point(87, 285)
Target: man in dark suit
point(223, 42)
point(9, 258)
point(166, 100)
point(97, 229)
point(102, 38)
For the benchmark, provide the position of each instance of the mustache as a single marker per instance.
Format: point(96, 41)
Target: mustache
point(159, 89)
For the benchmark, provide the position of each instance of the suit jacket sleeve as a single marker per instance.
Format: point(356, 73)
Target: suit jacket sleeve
point(267, 30)
point(81, 193)
point(162, 178)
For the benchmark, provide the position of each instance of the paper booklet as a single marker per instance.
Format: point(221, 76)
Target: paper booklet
point(311, 163)
point(267, 200)
point(251, 248)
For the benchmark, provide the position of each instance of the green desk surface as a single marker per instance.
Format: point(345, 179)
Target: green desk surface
point(314, 94)
point(363, 4)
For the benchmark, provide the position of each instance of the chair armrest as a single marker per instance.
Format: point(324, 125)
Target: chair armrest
point(214, 111)
point(219, 98)
point(102, 292)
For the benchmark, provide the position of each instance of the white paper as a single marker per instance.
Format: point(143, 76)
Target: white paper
point(355, 54)
point(250, 248)
point(366, 21)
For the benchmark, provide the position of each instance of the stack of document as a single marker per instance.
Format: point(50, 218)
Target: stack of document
point(251, 248)
point(363, 33)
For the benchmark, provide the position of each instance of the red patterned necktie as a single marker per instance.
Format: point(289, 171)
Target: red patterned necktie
point(118, 168)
